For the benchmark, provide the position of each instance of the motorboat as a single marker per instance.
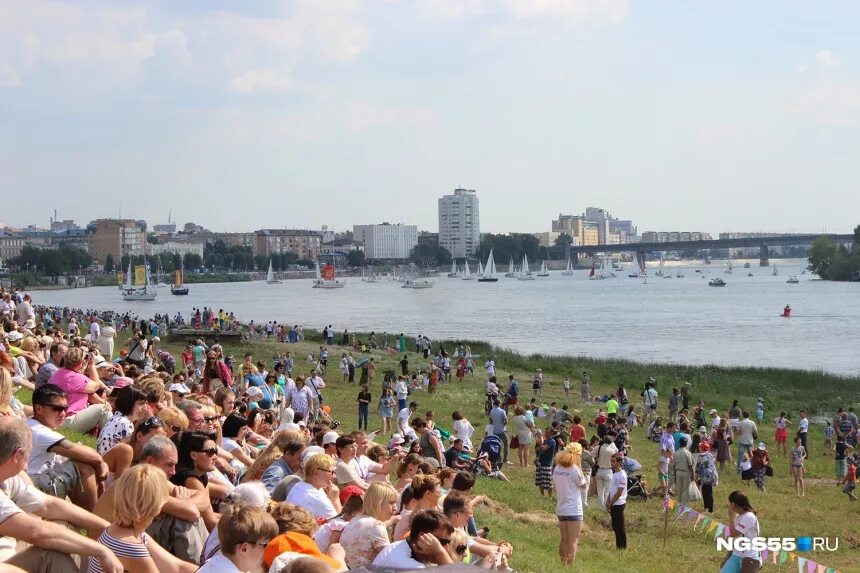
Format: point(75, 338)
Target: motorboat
point(716, 282)
point(418, 283)
point(792, 280)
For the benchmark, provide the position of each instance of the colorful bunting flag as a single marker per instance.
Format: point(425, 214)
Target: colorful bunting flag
point(705, 523)
point(713, 526)
point(720, 529)
point(699, 519)
point(801, 565)
point(783, 557)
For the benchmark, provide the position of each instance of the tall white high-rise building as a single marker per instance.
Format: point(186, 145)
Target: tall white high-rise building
point(386, 241)
point(460, 223)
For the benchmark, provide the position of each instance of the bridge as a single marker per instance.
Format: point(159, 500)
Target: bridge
point(641, 248)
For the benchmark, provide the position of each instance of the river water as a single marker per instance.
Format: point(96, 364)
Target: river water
point(666, 320)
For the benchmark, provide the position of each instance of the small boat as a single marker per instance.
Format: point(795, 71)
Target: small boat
point(480, 269)
point(635, 269)
point(369, 278)
point(453, 274)
point(543, 272)
point(512, 271)
point(747, 265)
point(489, 275)
point(145, 292)
point(418, 283)
point(716, 282)
point(750, 274)
point(270, 276)
point(328, 282)
point(467, 274)
point(792, 280)
point(525, 274)
point(568, 271)
point(606, 270)
point(659, 272)
point(179, 287)
point(678, 273)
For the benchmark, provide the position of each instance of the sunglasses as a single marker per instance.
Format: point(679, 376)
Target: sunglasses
point(55, 407)
point(210, 418)
point(208, 452)
point(152, 422)
point(332, 472)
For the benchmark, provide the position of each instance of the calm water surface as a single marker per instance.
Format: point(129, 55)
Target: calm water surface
point(665, 320)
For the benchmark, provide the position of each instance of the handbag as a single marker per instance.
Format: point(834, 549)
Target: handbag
point(768, 471)
point(515, 442)
point(693, 493)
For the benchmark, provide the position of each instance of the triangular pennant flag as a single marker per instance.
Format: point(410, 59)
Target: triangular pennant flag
point(705, 523)
point(727, 532)
point(820, 568)
point(672, 504)
point(699, 519)
point(713, 526)
point(783, 556)
point(801, 565)
point(811, 566)
point(792, 556)
point(720, 528)
point(774, 557)
point(764, 553)
point(681, 508)
point(692, 515)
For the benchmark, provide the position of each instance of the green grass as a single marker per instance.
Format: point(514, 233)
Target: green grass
point(520, 516)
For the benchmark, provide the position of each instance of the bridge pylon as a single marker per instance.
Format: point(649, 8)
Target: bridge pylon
point(763, 256)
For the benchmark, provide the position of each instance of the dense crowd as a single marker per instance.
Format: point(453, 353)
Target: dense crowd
point(207, 463)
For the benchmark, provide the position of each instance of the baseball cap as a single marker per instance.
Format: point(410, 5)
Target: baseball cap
point(330, 438)
point(702, 429)
point(14, 336)
point(350, 491)
point(713, 411)
point(179, 387)
point(761, 445)
point(396, 440)
point(311, 451)
point(254, 392)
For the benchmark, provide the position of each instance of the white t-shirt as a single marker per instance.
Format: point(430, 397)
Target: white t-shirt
point(94, 331)
point(323, 535)
point(619, 479)
point(43, 438)
point(464, 430)
point(401, 390)
point(747, 525)
point(313, 499)
point(16, 496)
point(715, 422)
point(746, 428)
point(568, 490)
point(398, 555)
point(218, 564)
point(403, 418)
point(803, 425)
point(491, 368)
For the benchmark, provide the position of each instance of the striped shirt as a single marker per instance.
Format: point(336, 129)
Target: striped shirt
point(120, 549)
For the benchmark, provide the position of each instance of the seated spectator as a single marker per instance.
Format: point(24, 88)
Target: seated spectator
point(196, 453)
point(86, 405)
point(251, 494)
point(317, 492)
point(452, 456)
point(127, 453)
point(244, 533)
point(233, 432)
point(346, 473)
point(367, 534)
point(425, 545)
point(130, 407)
point(296, 527)
point(138, 498)
point(9, 404)
point(58, 466)
point(54, 363)
point(21, 506)
point(289, 463)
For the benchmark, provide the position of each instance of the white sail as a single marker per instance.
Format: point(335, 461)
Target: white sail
point(634, 267)
point(490, 271)
point(453, 266)
point(318, 273)
point(270, 276)
point(467, 274)
point(543, 270)
point(775, 271)
point(525, 269)
point(511, 266)
point(480, 269)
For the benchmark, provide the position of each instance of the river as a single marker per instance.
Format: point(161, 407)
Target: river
point(678, 320)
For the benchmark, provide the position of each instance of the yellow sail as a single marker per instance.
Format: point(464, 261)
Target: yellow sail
point(177, 278)
point(139, 274)
point(120, 277)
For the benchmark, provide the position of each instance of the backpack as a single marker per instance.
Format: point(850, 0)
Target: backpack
point(706, 470)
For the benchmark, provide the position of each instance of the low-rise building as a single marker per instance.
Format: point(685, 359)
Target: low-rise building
point(386, 241)
point(303, 243)
point(176, 247)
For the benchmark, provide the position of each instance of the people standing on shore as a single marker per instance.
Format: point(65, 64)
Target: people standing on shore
point(781, 423)
point(584, 387)
point(569, 482)
point(742, 523)
point(617, 501)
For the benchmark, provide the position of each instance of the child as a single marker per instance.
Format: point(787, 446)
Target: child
point(849, 482)
point(566, 385)
point(746, 469)
point(759, 409)
point(537, 382)
point(828, 438)
point(663, 471)
point(798, 455)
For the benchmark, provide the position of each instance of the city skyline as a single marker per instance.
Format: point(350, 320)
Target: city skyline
point(309, 113)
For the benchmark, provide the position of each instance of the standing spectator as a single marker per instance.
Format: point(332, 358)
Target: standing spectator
point(617, 502)
point(682, 470)
point(586, 393)
point(569, 482)
point(386, 410)
point(742, 523)
point(840, 451)
point(760, 463)
point(523, 431)
point(707, 476)
point(500, 427)
point(363, 406)
point(798, 456)
point(849, 482)
point(545, 449)
point(803, 429)
point(603, 455)
point(747, 434)
point(781, 423)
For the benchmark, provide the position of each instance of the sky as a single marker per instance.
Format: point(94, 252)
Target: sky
point(702, 116)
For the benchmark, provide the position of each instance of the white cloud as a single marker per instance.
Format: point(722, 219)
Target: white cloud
point(257, 81)
point(8, 77)
point(825, 59)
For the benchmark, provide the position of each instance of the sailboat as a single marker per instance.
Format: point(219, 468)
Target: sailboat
point(158, 274)
point(480, 269)
point(146, 291)
point(512, 272)
point(606, 271)
point(774, 273)
point(659, 272)
point(543, 272)
point(270, 275)
point(326, 283)
point(467, 274)
point(453, 274)
point(369, 278)
point(634, 268)
point(525, 274)
point(678, 273)
point(729, 264)
point(489, 275)
point(568, 271)
point(179, 287)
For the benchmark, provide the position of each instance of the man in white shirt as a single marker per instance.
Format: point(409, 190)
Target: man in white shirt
point(403, 418)
point(424, 546)
point(490, 365)
point(803, 429)
point(21, 506)
point(95, 330)
point(747, 435)
point(402, 391)
point(617, 501)
point(715, 419)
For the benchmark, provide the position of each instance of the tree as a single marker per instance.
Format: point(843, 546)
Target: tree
point(429, 255)
point(563, 240)
point(856, 236)
point(355, 258)
point(110, 266)
point(821, 256)
point(192, 261)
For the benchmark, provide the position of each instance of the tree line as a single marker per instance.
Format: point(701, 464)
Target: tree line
point(835, 262)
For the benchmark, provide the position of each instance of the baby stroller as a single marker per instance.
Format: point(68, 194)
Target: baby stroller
point(492, 446)
point(637, 487)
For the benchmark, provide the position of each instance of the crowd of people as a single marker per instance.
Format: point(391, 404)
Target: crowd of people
point(204, 461)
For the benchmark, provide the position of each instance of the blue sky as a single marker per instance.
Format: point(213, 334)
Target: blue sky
point(682, 116)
